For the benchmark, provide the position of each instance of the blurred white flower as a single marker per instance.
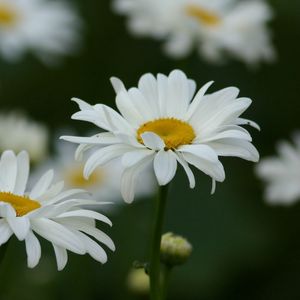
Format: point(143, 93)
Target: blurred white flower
point(214, 27)
point(163, 123)
point(48, 211)
point(282, 173)
point(48, 28)
point(19, 133)
point(105, 181)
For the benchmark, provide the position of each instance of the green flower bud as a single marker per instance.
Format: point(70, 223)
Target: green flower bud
point(174, 249)
point(138, 282)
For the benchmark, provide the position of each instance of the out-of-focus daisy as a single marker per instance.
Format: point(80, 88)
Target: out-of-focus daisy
point(104, 183)
point(19, 133)
point(282, 173)
point(214, 27)
point(50, 29)
point(163, 122)
point(49, 212)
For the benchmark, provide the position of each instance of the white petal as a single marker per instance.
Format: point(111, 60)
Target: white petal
point(165, 166)
point(58, 234)
point(33, 250)
point(117, 84)
point(197, 100)
point(87, 214)
point(61, 255)
point(127, 108)
point(103, 156)
point(128, 178)
point(131, 158)
point(237, 148)
point(82, 104)
point(5, 232)
point(212, 169)
point(178, 94)
point(42, 185)
point(93, 249)
point(187, 169)
point(153, 141)
point(20, 226)
point(8, 171)
point(202, 151)
point(241, 121)
point(99, 139)
point(84, 226)
point(23, 172)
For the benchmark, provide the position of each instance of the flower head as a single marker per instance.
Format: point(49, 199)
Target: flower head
point(162, 122)
point(215, 27)
point(18, 133)
point(49, 29)
point(49, 212)
point(282, 173)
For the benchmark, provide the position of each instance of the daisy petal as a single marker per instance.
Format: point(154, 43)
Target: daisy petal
point(153, 141)
point(61, 255)
point(33, 249)
point(165, 166)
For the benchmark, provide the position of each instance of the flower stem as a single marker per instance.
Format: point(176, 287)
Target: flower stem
point(165, 281)
point(3, 249)
point(155, 270)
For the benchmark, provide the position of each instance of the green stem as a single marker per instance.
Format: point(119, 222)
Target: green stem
point(3, 249)
point(155, 291)
point(166, 274)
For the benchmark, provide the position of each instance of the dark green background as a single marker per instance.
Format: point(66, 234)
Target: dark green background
point(243, 249)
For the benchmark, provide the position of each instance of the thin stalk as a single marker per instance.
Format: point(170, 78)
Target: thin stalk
point(166, 274)
point(155, 279)
point(3, 249)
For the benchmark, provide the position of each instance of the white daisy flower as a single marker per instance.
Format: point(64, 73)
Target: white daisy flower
point(49, 212)
point(282, 173)
point(104, 183)
point(214, 27)
point(19, 133)
point(159, 123)
point(50, 29)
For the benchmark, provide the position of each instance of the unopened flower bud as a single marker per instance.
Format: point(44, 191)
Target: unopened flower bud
point(138, 282)
point(174, 249)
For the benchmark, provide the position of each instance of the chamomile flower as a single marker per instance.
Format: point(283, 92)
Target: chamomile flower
point(17, 132)
point(214, 27)
point(164, 123)
point(282, 173)
point(49, 29)
point(104, 183)
point(49, 212)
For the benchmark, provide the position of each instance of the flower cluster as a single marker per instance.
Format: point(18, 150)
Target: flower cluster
point(214, 27)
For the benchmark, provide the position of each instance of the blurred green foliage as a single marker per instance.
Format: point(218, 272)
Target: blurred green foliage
point(243, 249)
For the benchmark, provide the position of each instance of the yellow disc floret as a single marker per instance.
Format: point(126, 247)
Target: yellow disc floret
point(172, 131)
point(7, 15)
point(22, 204)
point(74, 177)
point(202, 15)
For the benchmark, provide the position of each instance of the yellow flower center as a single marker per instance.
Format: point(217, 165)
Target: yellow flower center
point(202, 15)
point(74, 177)
point(172, 131)
point(22, 204)
point(7, 15)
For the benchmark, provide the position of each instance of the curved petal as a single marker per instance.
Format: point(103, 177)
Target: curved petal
point(33, 250)
point(8, 171)
point(153, 141)
point(165, 166)
point(61, 255)
point(23, 173)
